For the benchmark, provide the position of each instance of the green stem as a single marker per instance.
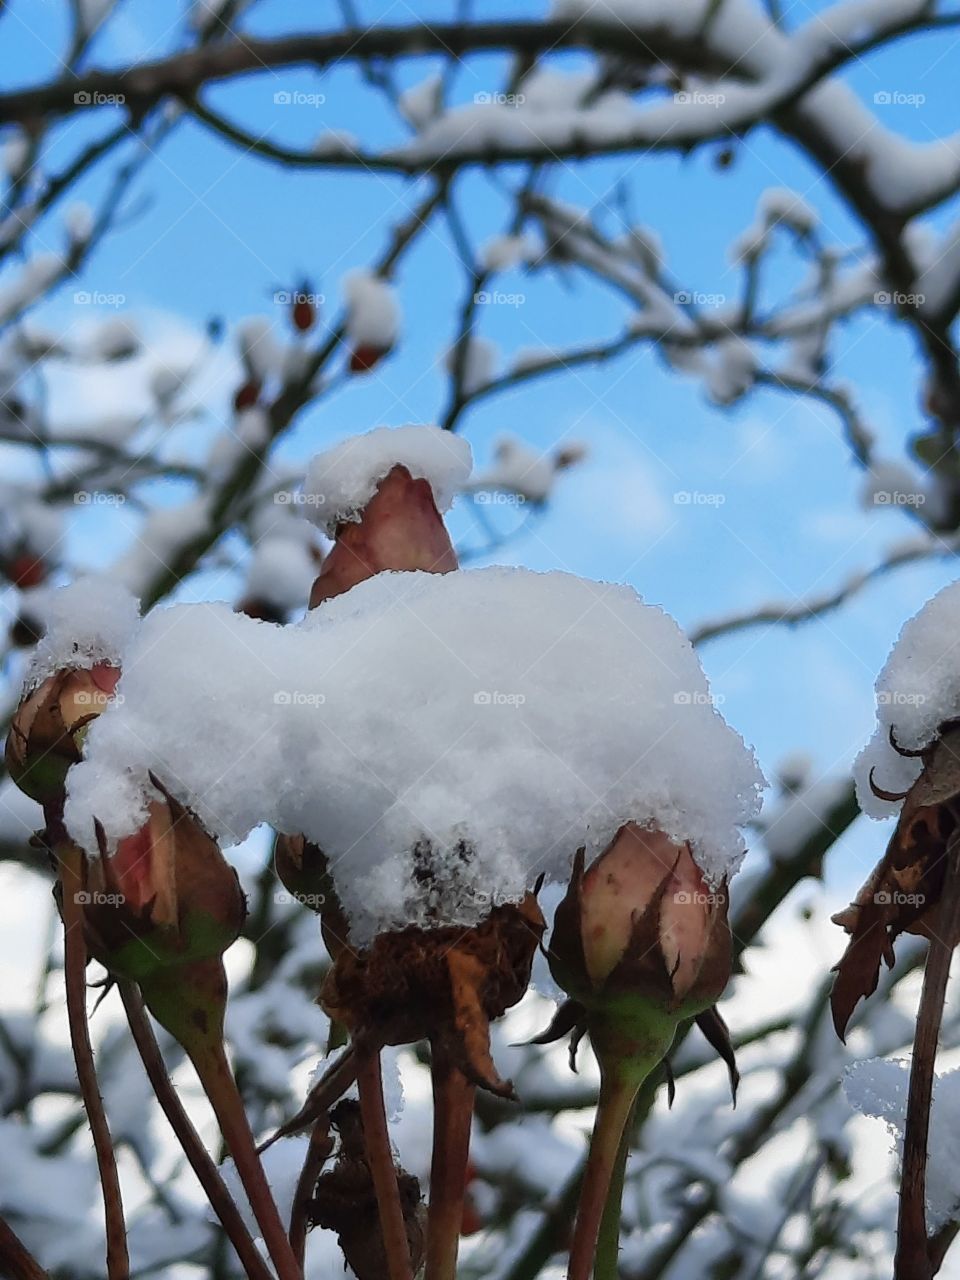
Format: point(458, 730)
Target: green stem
point(617, 1095)
point(608, 1242)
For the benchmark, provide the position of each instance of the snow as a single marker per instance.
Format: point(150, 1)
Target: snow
point(453, 709)
point(282, 1162)
point(879, 1088)
point(258, 347)
point(503, 253)
point(917, 690)
point(518, 469)
point(90, 621)
point(158, 541)
point(340, 482)
point(480, 360)
point(422, 102)
point(373, 313)
point(335, 142)
point(779, 204)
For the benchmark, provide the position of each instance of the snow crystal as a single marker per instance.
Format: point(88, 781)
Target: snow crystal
point(373, 314)
point(492, 720)
point(92, 620)
point(917, 690)
point(878, 1088)
point(341, 482)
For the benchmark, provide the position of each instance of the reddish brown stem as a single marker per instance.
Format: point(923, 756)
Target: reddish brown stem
point(200, 1161)
point(75, 979)
point(320, 1147)
point(913, 1260)
point(221, 1088)
point(617, 1095)
point(16, 1260)
point(376, 1139)
point(452, 1117)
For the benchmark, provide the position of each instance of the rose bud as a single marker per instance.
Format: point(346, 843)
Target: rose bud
point(640, 935)
point(46, 732)
point(400, 529)
point(247, 395)
point(303, 312)
point(25, 570)
point(639, 942)
point(165, 897)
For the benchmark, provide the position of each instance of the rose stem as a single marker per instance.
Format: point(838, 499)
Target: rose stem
point(319, 1148)
point(912, 1260)
point(200, 1160)
point(452, 1116)
point(189, 1002)
point(376, 1140)
point(16, 1261)
point(608, 1241)
point(617, 1095)
point(75, 980)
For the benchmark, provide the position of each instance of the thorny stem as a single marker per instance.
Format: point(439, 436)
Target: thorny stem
point(321, 1144)
point(75, 980)
point(376, 1140)
point(16, 1261)
point(912, 1260)
point(617, 1095)
point(452, 1116)
point(200, 1161)
point(605, 1266)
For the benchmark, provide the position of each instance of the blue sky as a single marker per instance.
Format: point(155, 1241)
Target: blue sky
point(218, 231)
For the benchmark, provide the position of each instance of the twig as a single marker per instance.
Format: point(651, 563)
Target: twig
point(319, 1148)
point(912, 1259)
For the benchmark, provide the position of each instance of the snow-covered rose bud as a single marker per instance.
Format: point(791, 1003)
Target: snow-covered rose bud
point(640, 937)
point(46, 732)
point(400, 528)
point(165, 897)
